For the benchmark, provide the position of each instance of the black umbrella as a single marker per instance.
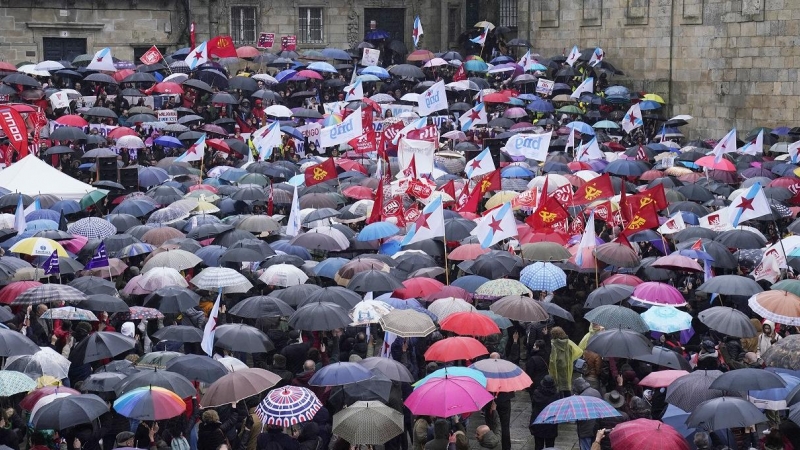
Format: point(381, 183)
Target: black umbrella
point(723, 258)
point(13, 343)
point(320, 214)
point(208, 230)
point(104, 302)
point(122, 366)
point(608, 295)
point(390, 368)
point(319, 316)
point(619, 343)
point(102, 381)
point(100, 345)
point(691, 390)
point(373, 280)
point(647, 271)
point(407, 71)
point(66, 412)
point(457, 229)
point(101, 78)
point(377, 388)
point(731, 285)
point(252, 244)
point(294, 295)
point(243, 83)
point(742, 239)
point(492, 265)
point(748, 379)
point(230, 238)
point(728, 321)
point(413, 261)
point(283, 259)
point(21, 79)
point(175, 382)
point(225, 98)
point(665, 357)
point(91, 285)
point(725, 412)
point(99, 111)
point(58, 149)
point(172, 299)
point(197, 84)
point(68, 134)
point(198, 368)
point(557, 311)
point(123, 221)
point(179, 333)
point(261, 306)
point(242, 338)
point(338, 295)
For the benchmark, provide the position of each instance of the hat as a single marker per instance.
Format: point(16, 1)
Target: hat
point(615, 399)
point(124, 436)
point(708, 345)
point(548, 381)
point(128, 329)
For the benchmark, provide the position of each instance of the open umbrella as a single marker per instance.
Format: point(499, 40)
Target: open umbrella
point(368, 422)
point(693, 389)
point(340, 374)
point(731, 285)
point(238, 386)
point(520, 308)
point(320, 316)
point(407, 323)
point(619, 343)
point(543, 276)
point(44, 362)
point(725, 412)
point(388, 367)
point(502, 375)
point(179, 333)
point(617, 254)
point(667, 319)
point(288, 406)
point(67, 412)
point(454, 349)
point(661, 356)
point(613, 316)
point(149, 403)
point(784, 354)
point(469, 323)
point(574, 408)
point(646, 434)
point(454, 395)
point(777, 306)
point(13, 382)
point(728, 321)
point(747, 379)
point(100, 345)
point(15, 343)
point(103, 381)
point(655, 293)
point(242, 338)
point(262, 306)
point(662, 378)
point(198, 368)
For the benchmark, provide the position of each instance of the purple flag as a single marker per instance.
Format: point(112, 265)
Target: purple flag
point(51, 264)
point(100, 258)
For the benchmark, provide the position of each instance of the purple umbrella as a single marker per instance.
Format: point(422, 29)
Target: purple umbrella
point(655, 293)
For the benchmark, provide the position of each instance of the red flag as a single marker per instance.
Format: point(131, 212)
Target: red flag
point(151, 56)
point(323, 171)
point(622, 239)
point(526, 199)
point(640, 154)
point(449, 188)
point(428, 133)
point(626, 211)
point(419, 189)
point(13, 125)
point(595, 189)
point(221, 47)
point(698, 245)
point(491, 182)
point(461, 74)
point(563, 194)
point(412, 214)
point(364, 143)
point(377, 207)
point(548, 215)
point(577, 226)
point(472, 200)
point(644, 219)
point(655, 195)
point(389, 134)
point(411, 170)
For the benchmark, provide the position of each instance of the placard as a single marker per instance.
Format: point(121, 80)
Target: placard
point(545, 87)
point(370, 57)
point(167, 115)
point(266, 40)
point(289, 42)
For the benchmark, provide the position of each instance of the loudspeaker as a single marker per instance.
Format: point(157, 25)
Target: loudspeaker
point(103, 163)
point(129, 177)
point(109, 173)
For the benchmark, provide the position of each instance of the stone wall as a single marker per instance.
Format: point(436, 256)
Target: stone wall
point(120, 25)
point(726, 62)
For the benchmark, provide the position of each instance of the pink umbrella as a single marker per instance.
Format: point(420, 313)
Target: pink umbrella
point(515, 113)
point(655, 293)
point(678, 262)
point(75, 244)
point(445, 397)
point(134, 288)
point(455, 135)
point(709, 161)
point(307, 74)
point(662, 378)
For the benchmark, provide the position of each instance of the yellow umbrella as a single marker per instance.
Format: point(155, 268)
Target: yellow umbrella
point(38, 246)
point(500, 198)
point(205, 208)
point(47, 380)
point(484, 24)
point(654, 97)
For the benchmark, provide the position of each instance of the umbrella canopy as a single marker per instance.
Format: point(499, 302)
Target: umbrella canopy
point(728, 321)
point(390, 368)
point(731, 285)
point(368, 422)
point(179, 333)
point(688, 392)
point(262, 306)
point(149, 403)
point(340, 374)
point(523, 309)
point(543, 276)
point(608, 295)
point(13, 382)
point(14, 343)
point(655, 293)
point(407, 323)
point(646, 434)
point(67, 412)
point(576, 407)
point(725, 412)
point(617, 254)
point(502, 375)
point(237, 386)
point(175, 382)
point(662, 378)
point(242, 338)
point(454, 349)
point(198, 368)
point(667, 319)
point(619, 343)
point(103, 381)
point(777, 306)
point(44, 362)
point(613, 316)
point(454, 395)
point(545, 251)
point(469, 323)
point(747, 379)
point(319, 316)
point(665, 357)
point(288, 406)
point(784, 354)
point(100, 345)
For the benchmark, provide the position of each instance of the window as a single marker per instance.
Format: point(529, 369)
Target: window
point(310, 26)
point(508, 13)
point(243, 24)
point(453, 23)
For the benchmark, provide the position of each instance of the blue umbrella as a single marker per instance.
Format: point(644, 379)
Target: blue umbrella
point(134, 207)
point(475, 65)
point(528, 97)
point(322, 66)
point(284, 75)
point(774, 399)
point(289, 249)
point(335, 53)
point(41, 224)
point(476, 375)
point(140, 248)
point(378, 71)
point(66, 206)
point(377, 230)
point(666, 319)
point(200, 219)
point(581, 127)
point(625, 167)
point(499, 320)
point(291, 131)
point(376, 35)
point(340, 374)
point(516, 172)
point(43, 214)
point(469, 283)
point(168, 141)
point(210, 254)
point(542, 106)
point(648, 105)
point(329, 267)
point(543, 276)
point(390, 247)
point(152, 176)
point(233, 174)
point(696, 254)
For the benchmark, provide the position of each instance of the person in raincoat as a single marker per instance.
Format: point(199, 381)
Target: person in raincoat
point(593, 329)
point(767, 337)
point(562, 357)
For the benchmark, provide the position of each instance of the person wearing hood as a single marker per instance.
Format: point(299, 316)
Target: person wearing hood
point(209, 434)
point(544, 435)
point(441, 436)
point(593, 329)
point(537, 365)
point(708, 358)
point(767, 337)
point(751, 344)
point(586, 429)
point(309, 436)
point(562, 359)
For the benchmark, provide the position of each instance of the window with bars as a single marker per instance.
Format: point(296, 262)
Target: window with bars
point(453, 23)
point(508, 13)
point(310, 26)
point(243, 24)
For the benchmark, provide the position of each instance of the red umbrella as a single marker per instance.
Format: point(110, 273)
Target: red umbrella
point(72, 120)
point(359, 193)
point(30, 400)
point(118, 132)
point(247, 51)
point(307, 74)
point(203, 187)
point(620, 278)
point(578, 165)
point(349, 164)
point(218, 144)
point(120, 75)
point(662, 378)
point(7, 67)
point(646, 434)
point(12, 290)
point(449, 291)
point(496, 97)
point(420, 55)
point(168, 87)
point(467, 252)
point(651, 175)
point(418, 287)
point(723, 164)
point(469, 323)
point(454, 349)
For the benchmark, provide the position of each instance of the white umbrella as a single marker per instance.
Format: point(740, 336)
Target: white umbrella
point(443, 307)
point(44, 362)
point(369, 311)
point(130, 142)
point(278, 111)
point(283, 275)
point(49, 65)
point(162, 277)
point(176, 259)
point(213, 278)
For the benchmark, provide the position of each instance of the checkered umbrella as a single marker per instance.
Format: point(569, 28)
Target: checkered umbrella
point(167, 215)
point(543, 276)
point(93, 228)
point(48, 293)
point(13, 382)
point(613, 316)
point(576, 407)
point(371, 423)
point(213, 278)
point(288, 406)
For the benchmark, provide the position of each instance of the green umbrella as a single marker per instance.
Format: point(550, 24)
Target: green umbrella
point(93, 197)
point(606, 124)
point(569, 109)
point(13, 382)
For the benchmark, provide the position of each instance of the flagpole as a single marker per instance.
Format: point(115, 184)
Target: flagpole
point(446, 262)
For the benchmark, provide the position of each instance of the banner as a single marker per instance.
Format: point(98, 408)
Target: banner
point(167, 115)
point(544, 87)
point(311, 131)
point(333, 107)
point(289, 42)
point(59, 100)
point(266, 40)
point(370, 57)
point(421, 151)
point(151, 56)
point(531, 146)
point(433, 99)
point(13, 125)
point(350, 128)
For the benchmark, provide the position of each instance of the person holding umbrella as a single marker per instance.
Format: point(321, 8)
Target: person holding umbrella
point(544, 435)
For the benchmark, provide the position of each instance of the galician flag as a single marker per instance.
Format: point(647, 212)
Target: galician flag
point(597, 57)
point(429, 225)
point(198, 55)
point(354, 91)
point(794, 149)
point(475, 116)
point(632, 119)
point(480, 165)
point(726, 145)
point(266, 138)
point(19, 216)
point(102, 61)
point(196, 152)
point(586, 86)
point(207, 343)
point(589, 151)
point(756, 146)
point(293, 226)
point(750, 204)
point(481, 38)
point(574, 54)
point(588, 240)
point(495, 226)
point(417, 31)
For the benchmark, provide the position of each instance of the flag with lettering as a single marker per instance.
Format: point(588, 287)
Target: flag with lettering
point(350, 128)
point(433, 99)
point(321, 172)
point(673, 225)
point(151, 56)
point(530, 146)
point(644, 219)
point(100, 258)
point(51, 264)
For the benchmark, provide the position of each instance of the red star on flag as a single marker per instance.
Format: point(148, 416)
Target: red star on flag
point(495, 225)
point(633, 119)
point(422, 222)
point(474, 115)
point(351, 91)
point(192, 149)
point(198, 55)
point(99, 59)
point(214, 322)
point(476, 164)
point(746, 203)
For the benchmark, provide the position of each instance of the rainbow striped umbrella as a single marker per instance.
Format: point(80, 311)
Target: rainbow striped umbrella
point(150, 403)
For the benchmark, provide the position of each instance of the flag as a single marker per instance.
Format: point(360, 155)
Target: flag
point(793, 151)
point(461, 74)
point(198, 55)
point(588, 240)
point(570, 140)
point(207, 344)
point(480, 165)
point(673, 225)
point(475, 116)
point(468, 201)
point(655, 195)
point(293, 226)
point(35, 206)
point(433, 99)
point(411, 170)
point(350, 128)
point(756, 146)
point(449, 188)
point(769, 268)
point(354, 91)
point(726, 145)
point(102, 61)
point(196, 152)
point(13, 125)
point(663, 133)
point(388, 340)
point(100, 258)
point(417, 31)
point(499, 224)
point(597, 57)
point(574, 54)
point(643, 219)
point(51, 264)
point(414, 125)
point(19, 216)
point(586, 86)
point(632, 119)
point(491, 182)
point(221, 47)
point(549, 213)
point(59, 100)
point(595, 189)
point(590, 151)
point(266, 138)
point(429, 225)
point(716, 220)
point(531, 146)
point(321, 172)
point(641, 154)
point(481, 38)
point(151, 56)
point(563, 194)
point(526, 61)
point(750, 204)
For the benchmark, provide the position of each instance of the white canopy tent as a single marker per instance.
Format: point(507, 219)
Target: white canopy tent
point(32, 176)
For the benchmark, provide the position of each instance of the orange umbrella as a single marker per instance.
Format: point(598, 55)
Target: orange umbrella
point(777, 306)
point(420, 55)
